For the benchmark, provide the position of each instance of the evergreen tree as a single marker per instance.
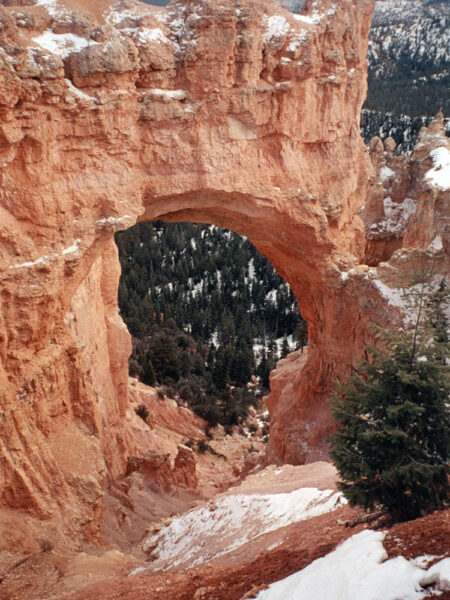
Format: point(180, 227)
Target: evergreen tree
point(266, 365)
point(148, 374)
point(392, 446)
point(284, 348)
point(438, 318)
point(301, 334)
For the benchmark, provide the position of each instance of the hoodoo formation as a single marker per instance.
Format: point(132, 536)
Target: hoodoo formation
point(236, 113)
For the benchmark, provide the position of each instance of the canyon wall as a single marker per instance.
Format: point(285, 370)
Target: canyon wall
point(236, 113)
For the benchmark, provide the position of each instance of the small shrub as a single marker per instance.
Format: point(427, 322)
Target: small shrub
point(142, 411)
point(228, 429)
point(203, 446)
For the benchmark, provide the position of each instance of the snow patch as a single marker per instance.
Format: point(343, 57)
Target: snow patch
point(305, 19)
point(144, 35)
point(275, 27)
point(386, 173)
point(228, 522)
point(424, 560)
point(394, 296)
point(438, 575)
point(173, 94)
point(298, 40)
point(358, 570)
point(116, 17)
point(62, 44)
point(78, 93)
point(73, 249)
point(439, 175)
point(125, 221)
point(396, 219)
point(436, 244)
point(54, 10)
point(42, 261)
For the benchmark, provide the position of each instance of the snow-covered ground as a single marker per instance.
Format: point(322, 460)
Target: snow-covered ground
point(358, 570)
point(230, 521)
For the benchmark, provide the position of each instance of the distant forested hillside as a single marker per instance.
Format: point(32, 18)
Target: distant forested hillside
point(409, 57)
point(206, 312)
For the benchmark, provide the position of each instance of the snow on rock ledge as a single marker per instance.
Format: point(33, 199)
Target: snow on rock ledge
point(62, 44)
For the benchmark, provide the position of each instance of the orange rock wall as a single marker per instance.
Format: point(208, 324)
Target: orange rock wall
point(232, 113)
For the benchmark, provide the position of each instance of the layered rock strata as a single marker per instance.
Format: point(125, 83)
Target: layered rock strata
point(233, 113)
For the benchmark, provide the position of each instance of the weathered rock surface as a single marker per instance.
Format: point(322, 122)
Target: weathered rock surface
point(219, 461)
point(234, 113)
point(406, 217)
point(409, 204)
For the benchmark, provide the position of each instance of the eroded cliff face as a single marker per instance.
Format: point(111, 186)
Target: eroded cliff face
point(236, 113)
point(406, 217)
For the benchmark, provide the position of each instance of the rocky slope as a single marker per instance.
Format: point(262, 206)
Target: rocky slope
point(139, 113)
point(280, 522)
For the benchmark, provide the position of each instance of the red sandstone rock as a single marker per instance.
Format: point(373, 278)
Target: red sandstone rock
point(252, 125)
point(184, 469)
point(403, 208)
point(247, 118)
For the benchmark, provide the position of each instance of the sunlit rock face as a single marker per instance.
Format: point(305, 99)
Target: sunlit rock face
point(239, 114)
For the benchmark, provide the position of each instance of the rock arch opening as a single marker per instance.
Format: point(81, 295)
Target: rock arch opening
point(208, 315)
point(304, 259)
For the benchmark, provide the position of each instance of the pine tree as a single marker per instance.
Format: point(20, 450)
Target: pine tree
point(284, 348)
point(392, 446)
point(301, 334)
point(266, 365)
point(148, 374)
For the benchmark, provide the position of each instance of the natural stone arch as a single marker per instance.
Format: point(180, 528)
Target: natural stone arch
point(245, 117)
point(305, 258)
